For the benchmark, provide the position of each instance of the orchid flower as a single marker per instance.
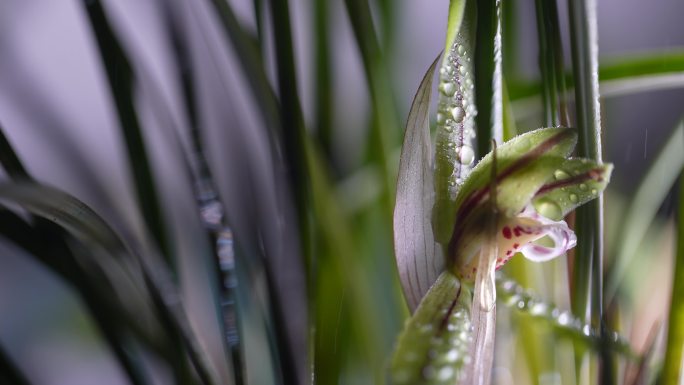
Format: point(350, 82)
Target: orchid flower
point(512, 202)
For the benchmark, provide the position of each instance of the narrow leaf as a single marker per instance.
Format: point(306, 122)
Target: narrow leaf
point(673, 371)
point(9, 159)
point(121, 77)
point(419, 258)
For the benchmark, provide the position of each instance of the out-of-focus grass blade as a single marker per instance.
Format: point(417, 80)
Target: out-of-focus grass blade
point(9, 159)
point(673, 371)
point(252, 65)
point(551, 63)
point(324, 82)
point(434, 346)
point(384, 129)
point(211, 210)
point(10, 374)
point(121, 82)
point(43, 243)
point(643, 207)
point(339, 258)
point(419, 257)
point(618, 76)
point(47, 246)
point(126, 271)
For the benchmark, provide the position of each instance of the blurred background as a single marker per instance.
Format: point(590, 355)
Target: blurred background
point(56, 109)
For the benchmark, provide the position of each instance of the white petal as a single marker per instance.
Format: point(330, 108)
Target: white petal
point(520, 234)
point(558, 232)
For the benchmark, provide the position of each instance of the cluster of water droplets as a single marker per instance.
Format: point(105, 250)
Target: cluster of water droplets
point(513, 295)
point(566, 197)
point(441, 348)
point(455, 115)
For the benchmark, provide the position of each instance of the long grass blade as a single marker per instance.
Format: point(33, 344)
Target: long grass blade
point(384, 127)
point(673, 371)
point(588, 271)
point(211, 209)
point(121, 79)
point(551, 63)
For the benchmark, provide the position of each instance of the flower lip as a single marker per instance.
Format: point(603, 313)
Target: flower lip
point(520, 234)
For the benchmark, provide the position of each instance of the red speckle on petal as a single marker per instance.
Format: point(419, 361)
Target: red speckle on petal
point(516, 245)
point(507, 232)
point(508, 252)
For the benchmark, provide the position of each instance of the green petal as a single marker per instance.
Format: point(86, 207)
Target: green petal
point(433, 347)
point(575, 183)
point(455, 129)
point(419, 259)
point(517, 160)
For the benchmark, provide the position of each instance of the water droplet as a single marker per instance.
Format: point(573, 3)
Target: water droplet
point(457, 113)
point(466, 155)
point(441, 118)
point(586, 330)
point(594, 192)
point(445, 373)
point(447, 88)
point(560, 174)
point(549, 209)
point(451, 355)
point(462, 70)
point(538, 308)
point(521, 304)
point(583, 187)
point(461, 49)
point(564, 318)
point(573, 198)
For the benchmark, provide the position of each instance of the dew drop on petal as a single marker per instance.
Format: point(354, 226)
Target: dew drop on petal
point(560, 174)
point(457, 113)
point(583, 187)
point(466, 155)
point(549, 209)
point(447, 88)
point(573, 198)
